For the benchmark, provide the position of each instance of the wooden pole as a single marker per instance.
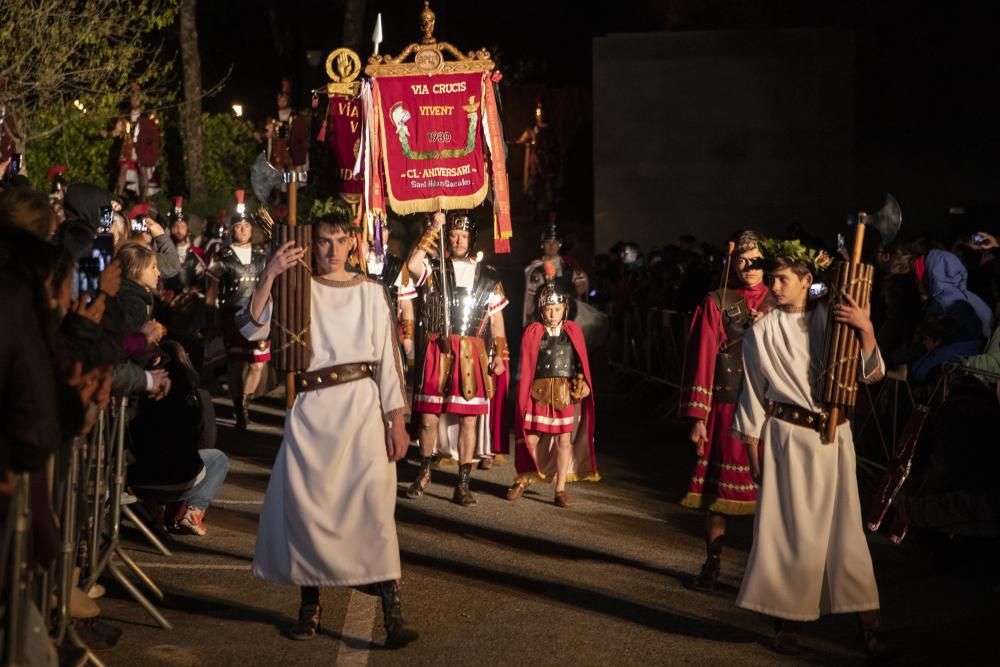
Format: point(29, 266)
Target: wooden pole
point(293, 200)
point(835, 410)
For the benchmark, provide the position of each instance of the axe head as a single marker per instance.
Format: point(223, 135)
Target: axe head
point(264, 178)
point(888, 219)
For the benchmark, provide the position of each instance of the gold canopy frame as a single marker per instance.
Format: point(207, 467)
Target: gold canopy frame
point(429, 56)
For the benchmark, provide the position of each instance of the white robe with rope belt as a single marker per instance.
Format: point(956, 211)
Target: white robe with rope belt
point(809, 554)
point(328, 515)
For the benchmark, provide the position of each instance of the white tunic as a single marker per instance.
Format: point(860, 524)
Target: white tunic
point(327, 518)
point(809, 554)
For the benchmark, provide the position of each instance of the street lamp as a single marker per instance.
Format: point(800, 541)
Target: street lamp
point(238, 109)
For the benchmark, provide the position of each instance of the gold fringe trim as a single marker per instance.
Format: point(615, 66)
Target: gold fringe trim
point(726, 485)
point(696, 404)
point(701, 390)
point(719, 505)
point(532, 477)
point(724, 466)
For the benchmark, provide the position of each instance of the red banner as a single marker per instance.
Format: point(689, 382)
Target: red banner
point(343, 140)
point(431, 141)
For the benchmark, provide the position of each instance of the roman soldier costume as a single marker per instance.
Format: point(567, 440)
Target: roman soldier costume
point(569, 278)
point(192, 258)
point(551, 400)
point(712, 378)
point(456, 379)
point(287, 136)
point(238, 269)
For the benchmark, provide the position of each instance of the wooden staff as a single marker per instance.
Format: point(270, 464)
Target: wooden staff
point(842, 349)
point(293, 198)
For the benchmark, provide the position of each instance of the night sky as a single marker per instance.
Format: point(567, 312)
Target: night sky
point(926, 104)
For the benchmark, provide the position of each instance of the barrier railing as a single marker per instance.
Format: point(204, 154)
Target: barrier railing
point(89, 484)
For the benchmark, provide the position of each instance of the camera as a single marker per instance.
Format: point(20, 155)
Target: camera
point(139, 224)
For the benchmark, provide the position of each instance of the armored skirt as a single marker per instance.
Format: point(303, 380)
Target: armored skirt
point(458, 383)
point(549, 409)
point(327, 518)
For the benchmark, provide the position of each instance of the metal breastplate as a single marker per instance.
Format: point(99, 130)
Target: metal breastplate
point(556, 357)
point(736, 321)
point(238, 279)
point(467, 307)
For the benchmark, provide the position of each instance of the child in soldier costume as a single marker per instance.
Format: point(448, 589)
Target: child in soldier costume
point(555, 406)
point(713, 371)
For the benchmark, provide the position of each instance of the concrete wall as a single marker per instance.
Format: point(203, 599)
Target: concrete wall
point(708, 132)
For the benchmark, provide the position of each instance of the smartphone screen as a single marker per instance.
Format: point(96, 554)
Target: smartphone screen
point(89, 274)
point(105, 223)
point(104, 249)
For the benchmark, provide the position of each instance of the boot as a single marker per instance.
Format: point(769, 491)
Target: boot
point(308, 624)
point(871, 632)
point(786, 637)
point(242, 410)
point(396, 633)
point(462, 495)
point(416, 489)
point(709, 575)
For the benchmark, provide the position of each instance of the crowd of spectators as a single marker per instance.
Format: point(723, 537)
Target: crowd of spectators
point(82, 291)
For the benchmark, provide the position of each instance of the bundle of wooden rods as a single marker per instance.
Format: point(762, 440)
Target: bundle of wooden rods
point(842, 351)
point(290, 331)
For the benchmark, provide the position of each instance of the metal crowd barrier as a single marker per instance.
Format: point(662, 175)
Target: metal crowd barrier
point(653, 351)
point(89, 483)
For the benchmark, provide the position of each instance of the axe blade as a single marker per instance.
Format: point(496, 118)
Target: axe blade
point(888, 219)
point(264, 178)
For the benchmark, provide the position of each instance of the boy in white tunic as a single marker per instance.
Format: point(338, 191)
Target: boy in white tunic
point(327, 518)
point(809, 554)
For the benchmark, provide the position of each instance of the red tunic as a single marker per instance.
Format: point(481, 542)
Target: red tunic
point(721, 481)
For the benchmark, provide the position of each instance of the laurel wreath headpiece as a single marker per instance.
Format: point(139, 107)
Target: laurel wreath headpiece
point(794, 252)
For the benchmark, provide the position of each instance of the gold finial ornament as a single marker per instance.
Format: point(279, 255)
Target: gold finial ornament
point(429, 55)
point(343, 66)
point(427, 20)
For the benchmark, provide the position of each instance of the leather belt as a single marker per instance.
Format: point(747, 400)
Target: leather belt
point(799, 416)
point(333, 375)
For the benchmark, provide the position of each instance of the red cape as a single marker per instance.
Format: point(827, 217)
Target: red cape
point(524, 462)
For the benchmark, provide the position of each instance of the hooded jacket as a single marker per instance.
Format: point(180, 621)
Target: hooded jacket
point(946, 282)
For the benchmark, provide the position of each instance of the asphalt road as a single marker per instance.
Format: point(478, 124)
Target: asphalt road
point(604, 582)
